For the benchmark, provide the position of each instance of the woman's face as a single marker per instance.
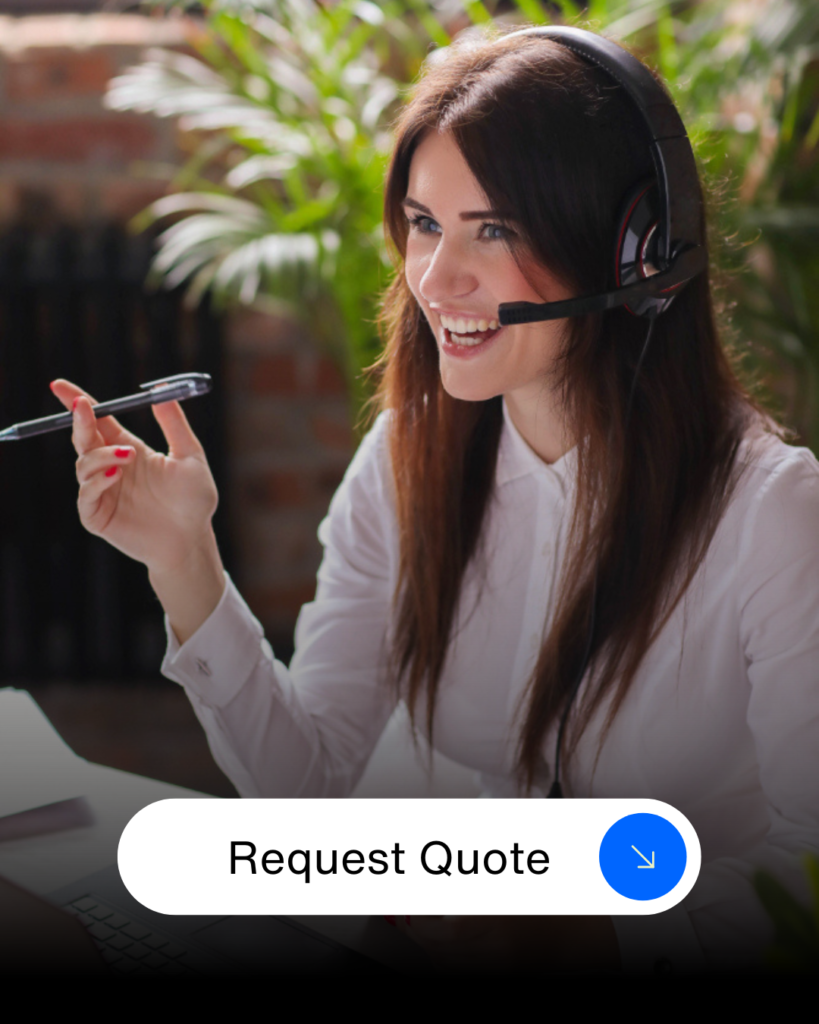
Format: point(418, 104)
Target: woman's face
point(458, 269)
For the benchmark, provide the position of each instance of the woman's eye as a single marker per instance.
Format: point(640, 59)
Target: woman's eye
point(427, 226)
point(421, 223)
point(494, 232)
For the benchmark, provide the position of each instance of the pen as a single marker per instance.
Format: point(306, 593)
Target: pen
point(168, 389)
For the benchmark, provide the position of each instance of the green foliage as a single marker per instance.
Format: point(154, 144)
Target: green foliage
point(796, 943)
point(290, 101)
point(280, 205)
point(746, 77)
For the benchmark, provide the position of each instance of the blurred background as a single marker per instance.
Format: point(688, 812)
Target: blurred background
point(198, 187)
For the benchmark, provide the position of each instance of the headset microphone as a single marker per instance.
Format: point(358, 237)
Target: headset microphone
point(684, 268)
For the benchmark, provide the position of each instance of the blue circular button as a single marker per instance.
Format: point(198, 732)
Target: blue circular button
point(642, 856)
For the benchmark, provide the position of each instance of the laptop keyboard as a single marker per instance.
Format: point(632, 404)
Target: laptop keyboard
point(127, 946)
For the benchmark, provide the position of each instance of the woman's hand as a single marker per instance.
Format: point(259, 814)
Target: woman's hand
point(148, 505)
point(516, 944)
point(154, 508)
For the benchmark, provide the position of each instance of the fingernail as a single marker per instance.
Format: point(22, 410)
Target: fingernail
point(51, 385)
point(122, 453)
point(111, 471)
point(74, 404)
point(390, 920)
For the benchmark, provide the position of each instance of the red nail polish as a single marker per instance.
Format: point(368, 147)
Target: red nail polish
point(51, 385)
point(110, 471)
point(74, 404)
point(122, 453)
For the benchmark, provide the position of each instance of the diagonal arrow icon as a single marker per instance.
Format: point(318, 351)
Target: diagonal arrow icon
point(648, 863)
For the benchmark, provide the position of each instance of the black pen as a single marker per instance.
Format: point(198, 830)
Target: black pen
point(168, 389)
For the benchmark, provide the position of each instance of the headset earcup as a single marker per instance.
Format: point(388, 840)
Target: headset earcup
point(638, 244)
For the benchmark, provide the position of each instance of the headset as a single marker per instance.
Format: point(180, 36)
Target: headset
point(659, 245)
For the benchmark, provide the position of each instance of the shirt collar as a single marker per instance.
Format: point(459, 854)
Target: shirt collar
point(516, 459)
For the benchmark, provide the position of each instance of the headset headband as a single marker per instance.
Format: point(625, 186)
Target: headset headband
point(676, 170)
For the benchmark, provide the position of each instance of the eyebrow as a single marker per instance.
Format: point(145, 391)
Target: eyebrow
point(467, 215)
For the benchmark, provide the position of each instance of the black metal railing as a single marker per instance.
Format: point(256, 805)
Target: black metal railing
point(73, 304)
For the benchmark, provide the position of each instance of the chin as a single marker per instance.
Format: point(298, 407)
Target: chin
point(469, 391)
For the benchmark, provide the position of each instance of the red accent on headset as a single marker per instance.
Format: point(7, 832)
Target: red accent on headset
point(622, 232)
point(643, 246)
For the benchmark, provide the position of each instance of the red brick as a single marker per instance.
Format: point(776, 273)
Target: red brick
point(101, 139)
point(279, 488)
point(111, 29)
point(275, 375)
point(334, 432)
point(251, 331)
point(120, 199)
point(329, 380)
point(9, 200)
point(47, 74)
point(258, 425)
point(278, 602)
point(329, 479)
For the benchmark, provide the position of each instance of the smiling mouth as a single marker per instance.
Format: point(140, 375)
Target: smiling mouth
point(468, 333)
point(469, 340)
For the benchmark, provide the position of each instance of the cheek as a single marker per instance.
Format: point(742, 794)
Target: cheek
point(413, 274)
point(412, 269)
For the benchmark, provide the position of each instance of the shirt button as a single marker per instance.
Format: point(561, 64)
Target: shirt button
point(203, 667)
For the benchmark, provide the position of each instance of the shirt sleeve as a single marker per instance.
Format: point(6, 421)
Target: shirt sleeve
point(307, 730)
point(779, 636)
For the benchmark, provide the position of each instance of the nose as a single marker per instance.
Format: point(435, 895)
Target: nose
point(449, 274)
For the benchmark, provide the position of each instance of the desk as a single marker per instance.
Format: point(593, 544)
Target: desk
point(46, 862)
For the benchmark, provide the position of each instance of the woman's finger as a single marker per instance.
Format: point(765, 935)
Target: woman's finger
point(111, 429)
point(174, 423)
point(89, 499)
point(85, 436)
point(100, 459)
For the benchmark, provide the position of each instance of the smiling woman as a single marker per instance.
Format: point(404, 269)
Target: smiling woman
point(459, 268)
point(574, 548)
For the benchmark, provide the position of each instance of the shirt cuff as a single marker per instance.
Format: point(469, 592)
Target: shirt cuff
point(659, 944)
point(216, 662)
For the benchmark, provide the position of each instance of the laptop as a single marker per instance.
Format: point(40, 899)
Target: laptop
point(134, 940)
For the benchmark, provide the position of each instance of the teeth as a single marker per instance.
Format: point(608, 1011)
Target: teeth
point(464, 339)
point(460, 325)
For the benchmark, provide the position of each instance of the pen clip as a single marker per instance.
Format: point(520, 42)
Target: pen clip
point(193, 379)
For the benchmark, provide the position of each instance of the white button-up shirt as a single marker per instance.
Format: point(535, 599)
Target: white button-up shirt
point(722, 719)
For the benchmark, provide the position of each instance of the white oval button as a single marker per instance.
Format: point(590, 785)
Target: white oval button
point(403, 856)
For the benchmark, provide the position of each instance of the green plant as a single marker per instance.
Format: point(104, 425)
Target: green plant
point(290, 103)
point(280, 205)
point(746, 77)
point(796, 943)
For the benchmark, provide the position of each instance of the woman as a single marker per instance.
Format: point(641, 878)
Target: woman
point(537, 505)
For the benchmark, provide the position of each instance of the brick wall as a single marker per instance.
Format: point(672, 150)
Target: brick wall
point(64, 157)
point(291, 440)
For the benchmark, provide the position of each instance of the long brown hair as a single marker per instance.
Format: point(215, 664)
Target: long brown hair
point(555, 140)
